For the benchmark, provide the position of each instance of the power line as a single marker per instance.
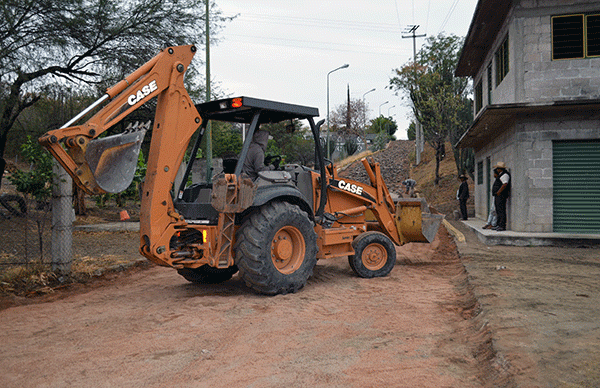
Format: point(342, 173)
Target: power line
point(305, 44)
point(398, 14)
point(428, 11)
point(321, 23)
point(448, 15)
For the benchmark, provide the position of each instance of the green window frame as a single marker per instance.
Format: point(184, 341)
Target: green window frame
point(575, 36)
point(490, 85)
point(502, 61)
point(480, 173)
point(478, 96)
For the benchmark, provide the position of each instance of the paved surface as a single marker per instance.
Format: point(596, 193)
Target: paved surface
point(524, 239)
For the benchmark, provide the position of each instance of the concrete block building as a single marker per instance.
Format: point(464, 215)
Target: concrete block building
point(535, 66)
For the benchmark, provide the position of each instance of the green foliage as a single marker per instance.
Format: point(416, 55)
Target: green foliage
point(225, 139)
point(383, 124)
point(381, 140)
point(463, 157)
point(94, 42)
point(411, 132)
point(293, 146)
point(438, 97)
point(38, 181)
point(351, 146)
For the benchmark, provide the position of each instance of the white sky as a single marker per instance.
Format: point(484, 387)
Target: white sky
point(282, 50)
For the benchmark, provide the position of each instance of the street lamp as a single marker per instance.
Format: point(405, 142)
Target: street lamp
point(365, 117)
point(379, 125)
point(389, 118)
point(341, 67)
point(381, 106)
point(365, 108)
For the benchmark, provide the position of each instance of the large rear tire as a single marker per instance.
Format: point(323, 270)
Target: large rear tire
point(276, 249)
point(207, 274)
point(374, 255)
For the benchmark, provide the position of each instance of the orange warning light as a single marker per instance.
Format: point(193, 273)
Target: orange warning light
point(236, 103)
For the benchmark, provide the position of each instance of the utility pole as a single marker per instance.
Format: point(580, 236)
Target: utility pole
point(348, 112)
point(420, 140)
point(208, 126)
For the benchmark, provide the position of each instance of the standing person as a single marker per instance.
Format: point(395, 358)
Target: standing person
point(462, 195)
point(492, 220)
point(501, 191)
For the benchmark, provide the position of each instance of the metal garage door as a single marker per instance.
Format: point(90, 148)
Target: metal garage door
point(576, 180)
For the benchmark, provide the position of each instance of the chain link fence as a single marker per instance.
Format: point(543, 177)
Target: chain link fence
point(25, 226)
point(38, 235)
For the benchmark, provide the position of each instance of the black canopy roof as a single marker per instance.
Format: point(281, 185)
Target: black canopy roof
point(243, 109)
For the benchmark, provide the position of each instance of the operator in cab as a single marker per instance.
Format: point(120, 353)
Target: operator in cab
point(255, 160)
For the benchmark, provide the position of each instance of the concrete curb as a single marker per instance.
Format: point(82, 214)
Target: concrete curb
point(526, 239)
point(109, 227)
point(453, 231)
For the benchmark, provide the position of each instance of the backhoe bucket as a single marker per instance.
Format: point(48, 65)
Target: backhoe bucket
point(113, 159)
point(415, 221)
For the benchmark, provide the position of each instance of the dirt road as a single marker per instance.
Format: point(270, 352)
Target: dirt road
point(151, 328)
point(541, 305)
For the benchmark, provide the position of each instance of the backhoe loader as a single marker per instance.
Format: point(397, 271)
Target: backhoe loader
point(272, 229)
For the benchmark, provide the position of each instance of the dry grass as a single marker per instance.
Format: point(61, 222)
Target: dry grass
point(442, 196)
point(351, 159)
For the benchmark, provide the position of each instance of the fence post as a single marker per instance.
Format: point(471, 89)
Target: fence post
point(62, 220)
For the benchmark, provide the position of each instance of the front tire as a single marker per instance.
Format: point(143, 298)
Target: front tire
point(374, 255)
point(276, 249)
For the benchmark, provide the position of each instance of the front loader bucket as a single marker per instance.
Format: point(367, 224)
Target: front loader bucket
point(415, 221)
point(113, 159)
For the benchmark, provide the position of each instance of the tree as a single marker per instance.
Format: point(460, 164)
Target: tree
point(411, 132)
point(48, 44)
point(225, 139)
point(383, 124)
point(349, 121)
point(295, 146)
point(35, 184)
point(437, 96)
point(463, 157)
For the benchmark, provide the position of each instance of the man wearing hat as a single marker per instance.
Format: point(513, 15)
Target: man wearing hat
point(501, 191)
point(462, 195)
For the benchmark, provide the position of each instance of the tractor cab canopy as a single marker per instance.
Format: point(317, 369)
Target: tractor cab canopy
point(255, 112)
point(244, 109)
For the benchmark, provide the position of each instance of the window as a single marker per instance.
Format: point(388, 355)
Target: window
point(480, 173)
point(489, 84)
point(478, 97)
point(593, 35)
point(502, 61)
point(575, 36)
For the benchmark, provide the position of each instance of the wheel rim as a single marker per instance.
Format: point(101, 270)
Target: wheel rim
point(288, 249)
point(374, 256)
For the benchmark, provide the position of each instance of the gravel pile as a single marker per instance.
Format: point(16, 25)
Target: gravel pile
point(394, 166)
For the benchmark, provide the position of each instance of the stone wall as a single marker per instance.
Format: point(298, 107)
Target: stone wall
point(533, 76)
point(526, 148)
